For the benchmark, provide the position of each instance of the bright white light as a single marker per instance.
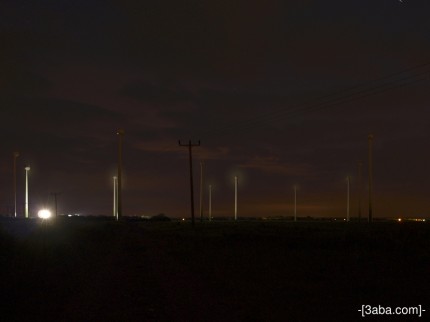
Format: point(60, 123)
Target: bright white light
point(44, 214)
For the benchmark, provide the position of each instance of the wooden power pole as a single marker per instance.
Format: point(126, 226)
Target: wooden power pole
point(190, 146)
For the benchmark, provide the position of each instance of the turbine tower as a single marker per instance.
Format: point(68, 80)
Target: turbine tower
point(27, 169)
point(370, 138)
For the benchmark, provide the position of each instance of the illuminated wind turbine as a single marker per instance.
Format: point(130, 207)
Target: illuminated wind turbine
point(347, 199)
point(15, 155)
point(120, 134)
point(235, 198)
point(295, 203)
point(26, 191)
point(115, 198)
point(210, 202)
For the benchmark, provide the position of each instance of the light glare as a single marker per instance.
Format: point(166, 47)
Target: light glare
point(44, 214)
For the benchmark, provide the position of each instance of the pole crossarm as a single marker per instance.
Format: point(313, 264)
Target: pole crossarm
point(189, 144)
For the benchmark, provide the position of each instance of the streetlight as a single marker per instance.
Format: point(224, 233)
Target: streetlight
point(15, 155)
point(26, 191)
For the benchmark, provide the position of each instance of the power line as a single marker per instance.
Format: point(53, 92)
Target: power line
point(343, 96)
point(306, 108)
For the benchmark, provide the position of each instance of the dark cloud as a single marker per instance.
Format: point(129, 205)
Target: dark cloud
point(46, 113)
point(16, 81)
point(266, 87)
point(155, 94)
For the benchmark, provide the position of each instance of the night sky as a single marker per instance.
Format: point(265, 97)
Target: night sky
point(280, 93)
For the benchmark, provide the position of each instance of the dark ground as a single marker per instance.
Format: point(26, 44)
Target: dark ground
point(77, 270)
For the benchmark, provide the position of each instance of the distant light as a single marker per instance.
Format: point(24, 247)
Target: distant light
point(183, 219)
point(69, 215)
point(399, 220)
point(44, 214)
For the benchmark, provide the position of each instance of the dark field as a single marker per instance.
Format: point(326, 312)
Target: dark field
point(77, 270)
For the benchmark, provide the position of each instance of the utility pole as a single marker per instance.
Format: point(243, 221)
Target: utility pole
point(359, 190)
point(370, 138)
point(55, 194)
point(15, 155)
point(120, 134)
point(190, 146)
point(201, 190)
point(347, 198)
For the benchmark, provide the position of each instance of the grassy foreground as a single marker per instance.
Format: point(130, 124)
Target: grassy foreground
point(247, 271)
